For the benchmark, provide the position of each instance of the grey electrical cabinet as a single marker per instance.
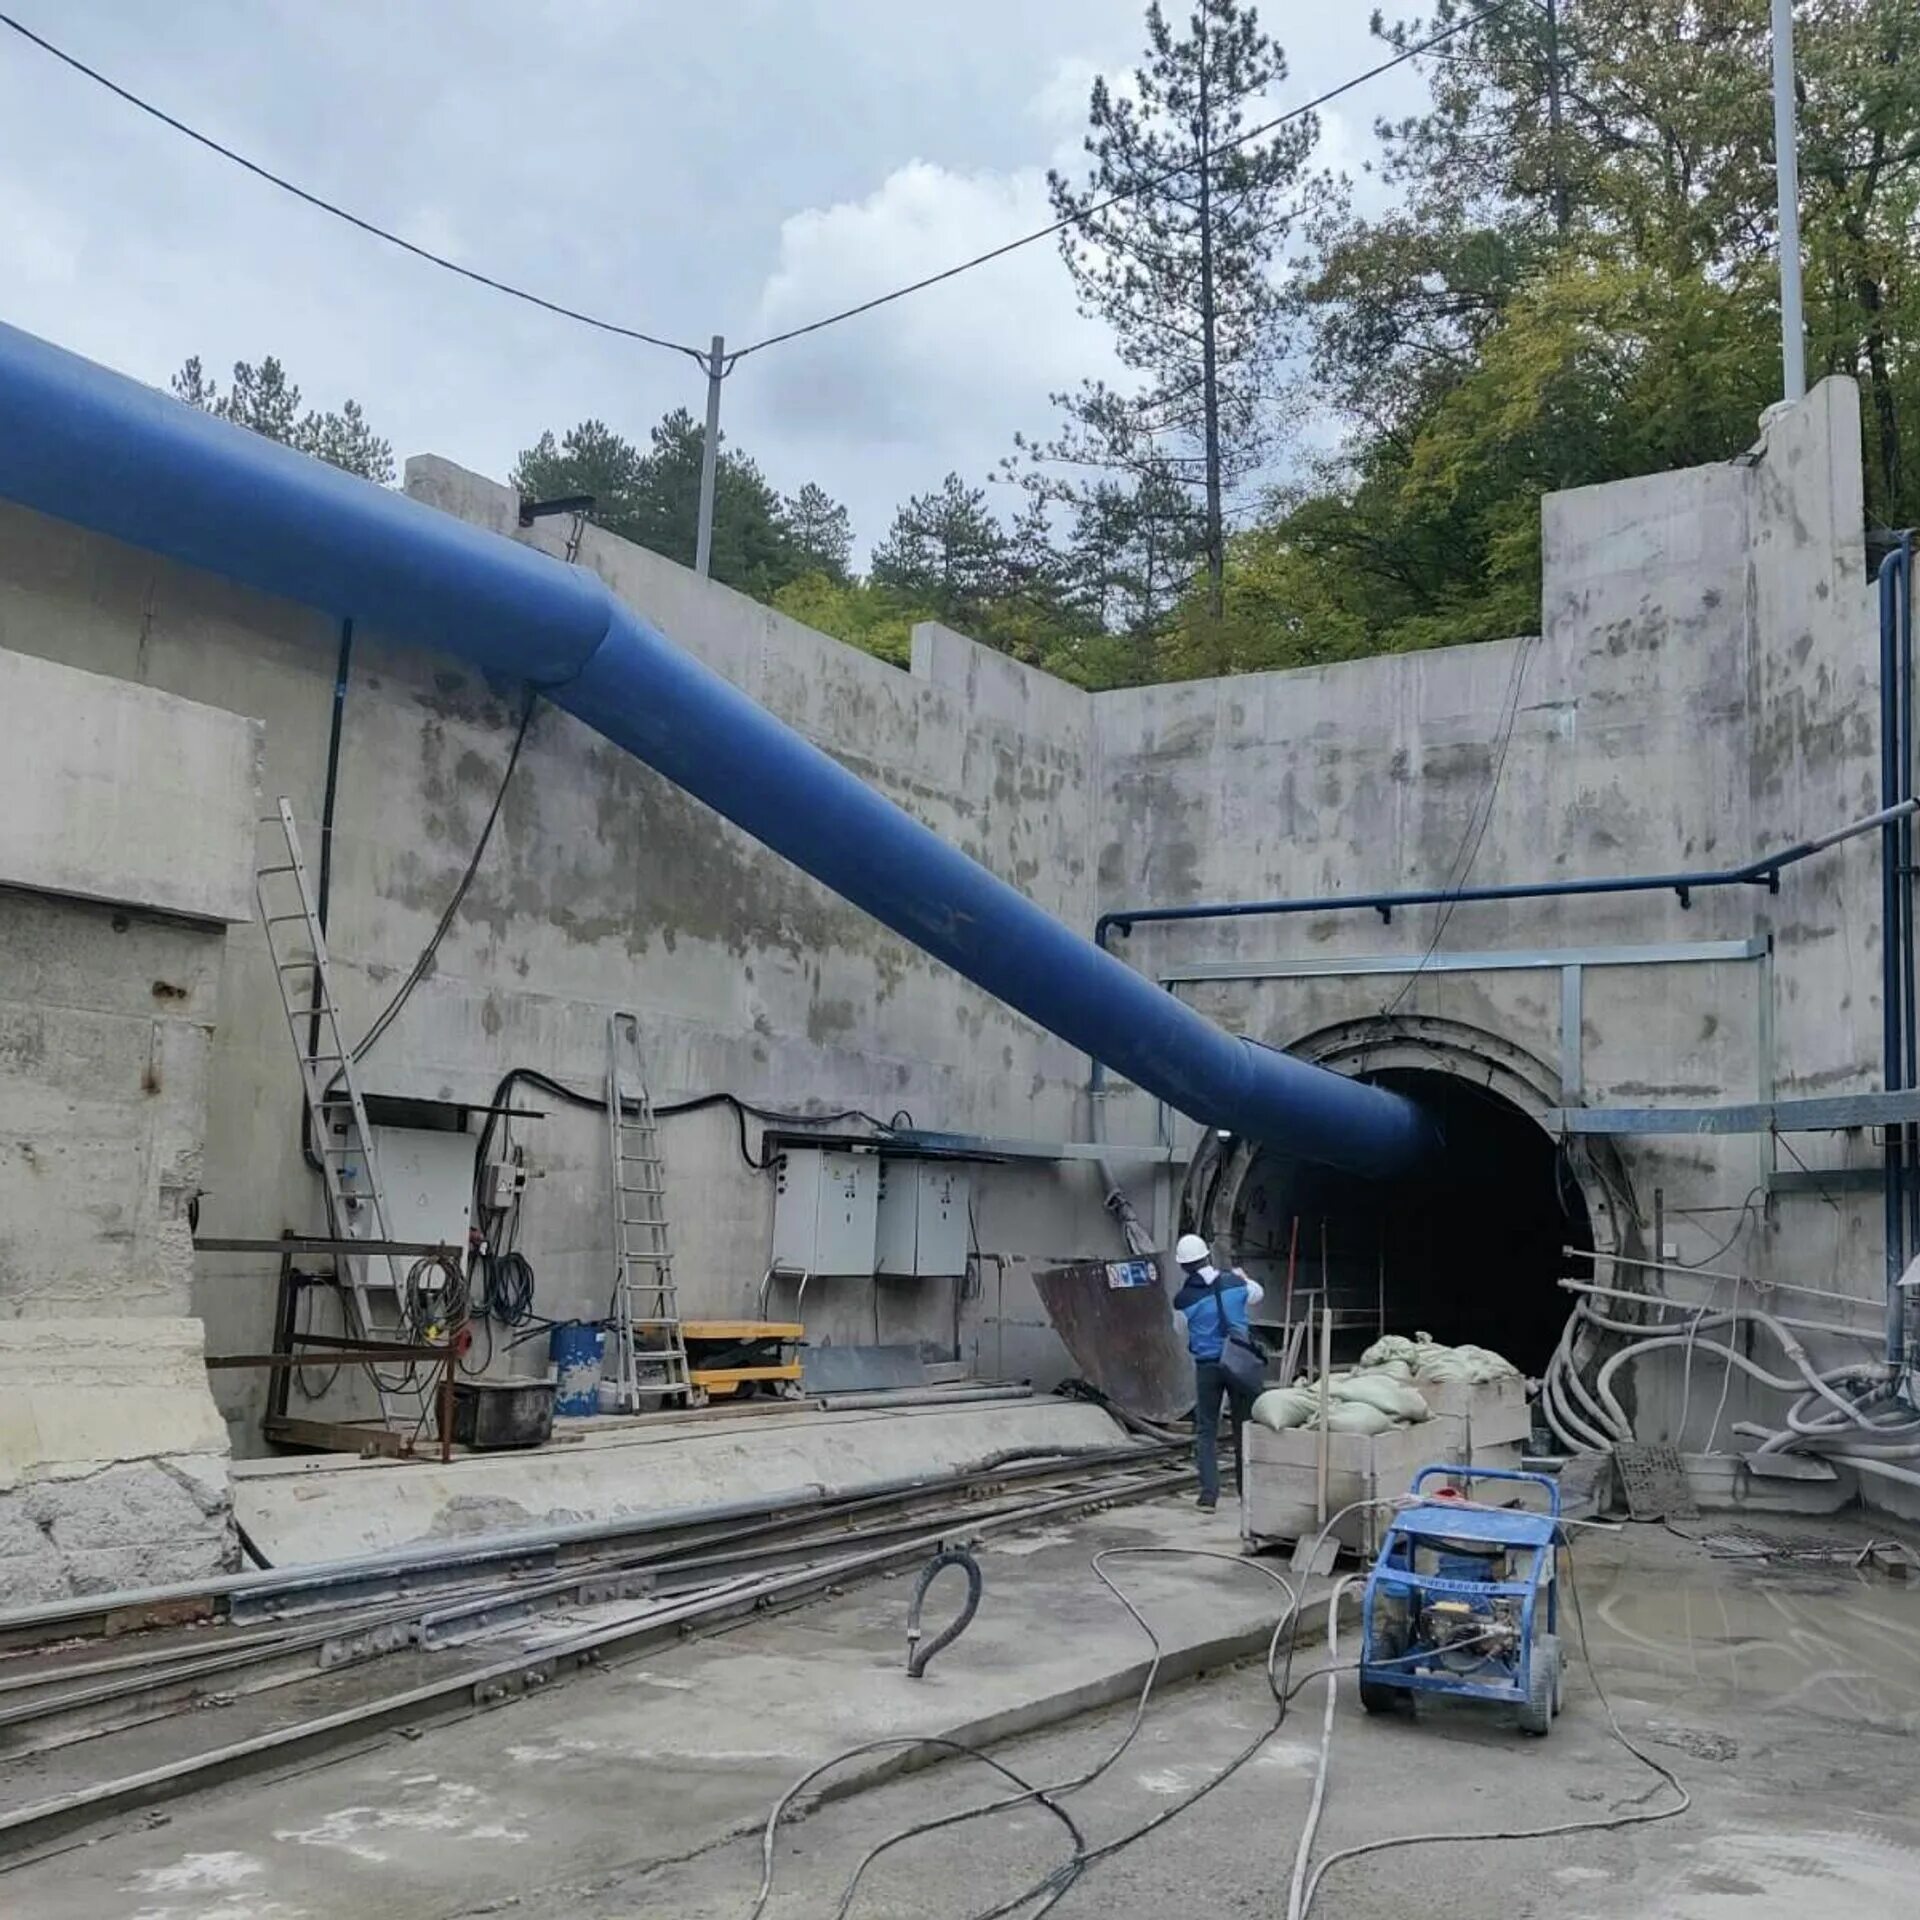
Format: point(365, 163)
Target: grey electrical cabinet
point(922, 1228)
point(825, 1205)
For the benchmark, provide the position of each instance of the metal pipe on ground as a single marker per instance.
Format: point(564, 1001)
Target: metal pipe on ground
point(56, 1701)
point(480, 1549)
point(468, 1688)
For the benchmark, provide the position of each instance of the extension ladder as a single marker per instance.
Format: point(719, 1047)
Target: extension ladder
point(650, 1351)
point(356, 1209)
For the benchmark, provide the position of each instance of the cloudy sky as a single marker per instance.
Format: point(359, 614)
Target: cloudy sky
point(737, 166)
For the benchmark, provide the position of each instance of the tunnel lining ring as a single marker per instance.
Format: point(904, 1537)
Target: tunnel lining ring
point(1225, 1195)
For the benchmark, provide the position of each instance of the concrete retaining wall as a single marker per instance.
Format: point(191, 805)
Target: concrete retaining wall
point(1703, 689)
point(126, 820)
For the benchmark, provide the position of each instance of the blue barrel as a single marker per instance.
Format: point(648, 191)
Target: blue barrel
point(577, 1348)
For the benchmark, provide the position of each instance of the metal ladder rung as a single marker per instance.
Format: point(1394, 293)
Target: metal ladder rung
point(349, 1168)
point(642, 1240)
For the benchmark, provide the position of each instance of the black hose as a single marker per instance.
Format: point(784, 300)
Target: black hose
point(920, 1652)
point(1054, 1886)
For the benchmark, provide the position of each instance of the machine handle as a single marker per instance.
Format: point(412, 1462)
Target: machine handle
point(1495, 1473)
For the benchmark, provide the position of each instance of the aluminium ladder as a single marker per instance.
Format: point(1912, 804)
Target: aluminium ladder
point(356, 1208)
point(650, 1352)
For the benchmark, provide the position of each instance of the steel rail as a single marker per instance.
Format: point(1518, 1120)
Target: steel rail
point(456, 1694)
point(147, 1687)
point(253, 1594)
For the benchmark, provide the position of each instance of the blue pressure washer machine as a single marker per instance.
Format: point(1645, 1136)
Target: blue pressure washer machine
point(1465, 1599)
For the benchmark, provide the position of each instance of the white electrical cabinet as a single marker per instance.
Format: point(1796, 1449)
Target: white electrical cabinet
point(426, 1180)
point(825, 1207)
point(922, 1228)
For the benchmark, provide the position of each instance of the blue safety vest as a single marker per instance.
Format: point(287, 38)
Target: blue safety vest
point(1215, 1304)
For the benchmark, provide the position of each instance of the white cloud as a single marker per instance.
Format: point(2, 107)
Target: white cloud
point(39, 244)
point(760, 187)
point(941, 379)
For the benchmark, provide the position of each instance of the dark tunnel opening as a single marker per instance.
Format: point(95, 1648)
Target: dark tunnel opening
point(1467, 1248)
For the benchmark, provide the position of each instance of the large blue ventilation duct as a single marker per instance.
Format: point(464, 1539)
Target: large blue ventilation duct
point(93, 447)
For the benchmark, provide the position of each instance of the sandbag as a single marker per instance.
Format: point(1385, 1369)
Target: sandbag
point(1426, 1359)
point(1284, 1407)
point(1468, 1365)
point(1397, 1399)
point(1356, 1416)
point(1389, 1347)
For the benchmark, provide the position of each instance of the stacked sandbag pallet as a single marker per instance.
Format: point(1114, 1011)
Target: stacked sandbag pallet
point(1409, 1404)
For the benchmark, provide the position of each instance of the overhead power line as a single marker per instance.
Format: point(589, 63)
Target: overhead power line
point(1471, 19)
point(338, 212)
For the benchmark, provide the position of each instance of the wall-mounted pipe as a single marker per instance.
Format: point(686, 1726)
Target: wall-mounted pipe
point(1900, 1192)
point(92, 447)
point(1890, 819)
point(1763, 872)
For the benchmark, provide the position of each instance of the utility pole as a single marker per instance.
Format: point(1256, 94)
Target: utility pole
point(709, 460)
point(1786, 161)
point(1209, 377)
point(1561, 213)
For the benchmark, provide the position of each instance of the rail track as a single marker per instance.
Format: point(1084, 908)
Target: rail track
point(118, 1702)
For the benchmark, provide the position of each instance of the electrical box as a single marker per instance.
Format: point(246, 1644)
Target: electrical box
point(502, 1184)
point(426, 1180)
point(922, 1226)
point(825, 1208)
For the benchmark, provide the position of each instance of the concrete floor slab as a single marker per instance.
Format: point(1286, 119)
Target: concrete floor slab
point(1783, 1692)
point(648, 1763)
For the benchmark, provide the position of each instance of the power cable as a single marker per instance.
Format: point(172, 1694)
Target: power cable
point(1472, 19)
point(1055, 1885)
point(418, 971)
point(324, 205)
point(1603, 1823)
point(1461, 870)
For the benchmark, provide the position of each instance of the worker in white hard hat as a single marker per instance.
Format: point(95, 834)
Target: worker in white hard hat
point(1211, 1306)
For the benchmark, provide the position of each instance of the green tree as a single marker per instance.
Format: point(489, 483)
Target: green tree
point(752, 547)
point(588, 459)
point(945, 551)
point(1277, 612)
point(1580, 282)
point(1174, 231)
point(874, 619)
point(653, 498)
point(264, 399)
point(1129, 557)
point(821, 531)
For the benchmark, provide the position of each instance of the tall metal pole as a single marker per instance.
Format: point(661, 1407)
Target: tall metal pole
point(709, 460)
point(1562, 214)
point(1786, 160)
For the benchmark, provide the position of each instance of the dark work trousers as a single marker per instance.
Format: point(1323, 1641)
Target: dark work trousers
point(1209, 1389)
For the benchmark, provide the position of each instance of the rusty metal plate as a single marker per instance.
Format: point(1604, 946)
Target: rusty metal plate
point(1116, 1319)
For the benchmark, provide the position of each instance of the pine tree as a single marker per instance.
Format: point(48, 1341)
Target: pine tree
point(265, 401)
point(821, 530)
point(1174, 231)
point(945, 551)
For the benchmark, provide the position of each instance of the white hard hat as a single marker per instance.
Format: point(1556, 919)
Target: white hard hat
point(1192, 1251)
